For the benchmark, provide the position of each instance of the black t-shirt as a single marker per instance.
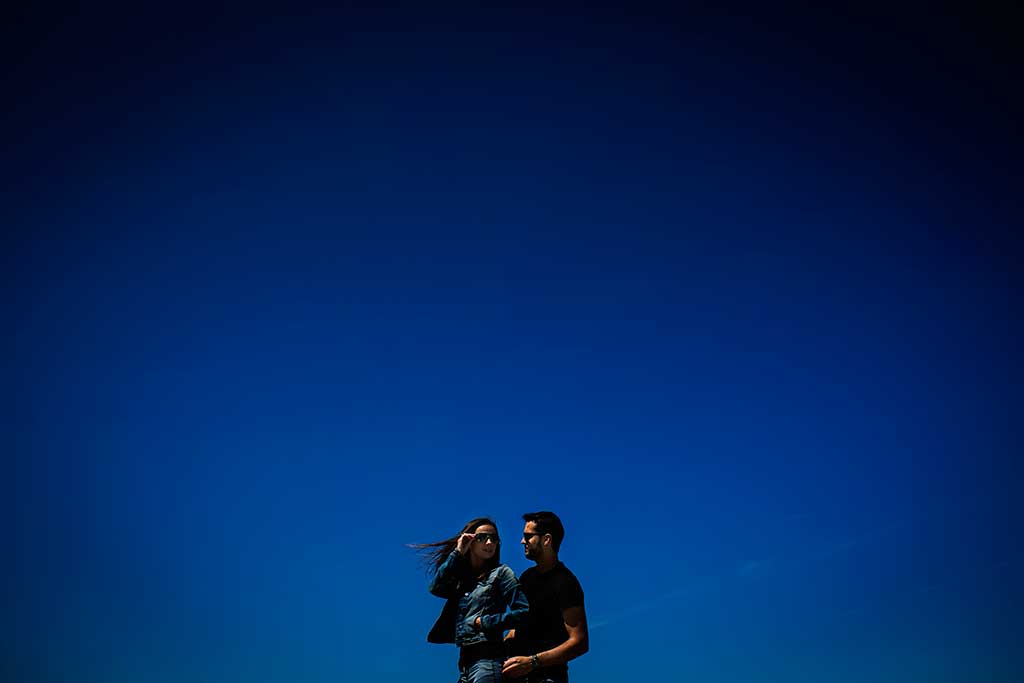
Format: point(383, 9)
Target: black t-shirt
point(549, 593)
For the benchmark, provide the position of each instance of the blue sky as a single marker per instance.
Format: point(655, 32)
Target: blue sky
point(733, 294)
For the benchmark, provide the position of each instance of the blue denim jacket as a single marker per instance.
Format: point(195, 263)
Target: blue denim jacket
point(496, 599)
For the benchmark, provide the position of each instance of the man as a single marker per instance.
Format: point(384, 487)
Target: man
point(556, 628)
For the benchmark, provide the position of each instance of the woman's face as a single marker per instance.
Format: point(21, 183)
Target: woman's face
point(486, 542)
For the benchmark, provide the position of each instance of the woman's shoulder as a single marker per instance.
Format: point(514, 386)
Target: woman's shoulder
point(503, 571)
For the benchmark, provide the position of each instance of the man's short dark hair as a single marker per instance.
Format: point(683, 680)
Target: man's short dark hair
point(547, 523)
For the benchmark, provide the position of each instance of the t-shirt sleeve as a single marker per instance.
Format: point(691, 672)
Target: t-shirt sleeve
point(571, 593)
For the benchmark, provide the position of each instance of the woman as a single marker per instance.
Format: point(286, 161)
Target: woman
point(483, 599)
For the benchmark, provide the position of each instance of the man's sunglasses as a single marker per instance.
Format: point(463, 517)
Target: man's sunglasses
point(527, 535)
point(483, 538)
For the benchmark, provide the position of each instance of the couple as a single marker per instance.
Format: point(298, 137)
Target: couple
point(544, 609)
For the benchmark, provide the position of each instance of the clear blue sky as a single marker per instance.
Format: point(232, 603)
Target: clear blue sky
point(737, 295)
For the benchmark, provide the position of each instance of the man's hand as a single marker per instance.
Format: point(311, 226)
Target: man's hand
point(516, 667)
point(478, 625)
point(510, 635)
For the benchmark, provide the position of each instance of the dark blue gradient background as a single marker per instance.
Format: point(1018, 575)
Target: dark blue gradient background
point(736, 293)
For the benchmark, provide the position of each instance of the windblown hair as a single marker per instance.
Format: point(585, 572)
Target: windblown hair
point(547, 523)
point(434, 554)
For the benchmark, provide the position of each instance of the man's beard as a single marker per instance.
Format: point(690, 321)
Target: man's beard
point(528, 551)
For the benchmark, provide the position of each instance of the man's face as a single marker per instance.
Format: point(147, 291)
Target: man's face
point(532, 541)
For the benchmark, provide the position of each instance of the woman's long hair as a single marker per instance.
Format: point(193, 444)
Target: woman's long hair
point(434, 554)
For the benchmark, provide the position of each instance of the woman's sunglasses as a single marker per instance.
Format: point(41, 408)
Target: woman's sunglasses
point(483, 538)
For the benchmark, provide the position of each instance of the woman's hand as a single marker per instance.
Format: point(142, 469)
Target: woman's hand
point(465, 540)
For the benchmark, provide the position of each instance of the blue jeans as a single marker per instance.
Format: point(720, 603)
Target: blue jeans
point(542, 677)
point(482, 671)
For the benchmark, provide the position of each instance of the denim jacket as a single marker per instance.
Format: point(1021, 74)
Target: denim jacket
point(496, 599)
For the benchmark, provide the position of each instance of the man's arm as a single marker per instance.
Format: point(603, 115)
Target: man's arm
point(575, 619)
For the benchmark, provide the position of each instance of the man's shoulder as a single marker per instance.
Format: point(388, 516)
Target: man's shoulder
point(554, 579)
point(570, 590)
point(566, 572)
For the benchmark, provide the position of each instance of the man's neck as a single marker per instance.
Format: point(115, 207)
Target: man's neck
point(547, 563)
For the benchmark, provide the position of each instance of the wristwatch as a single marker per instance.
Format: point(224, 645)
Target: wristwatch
point(533, 662)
